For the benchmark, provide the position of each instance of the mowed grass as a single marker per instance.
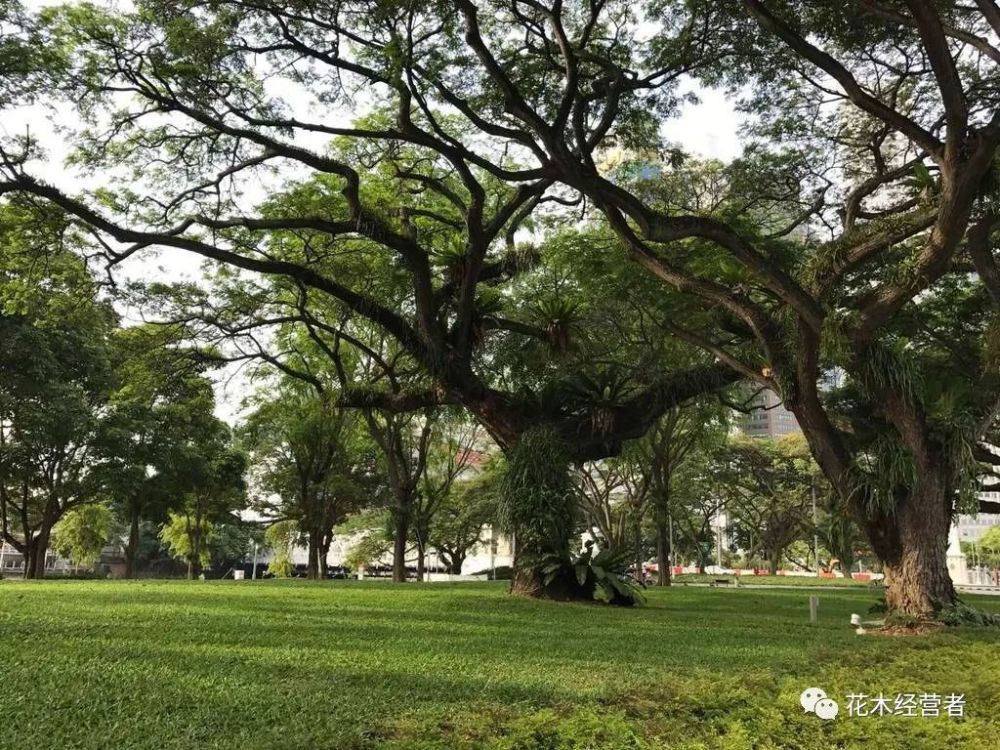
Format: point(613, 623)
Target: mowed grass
point(345, 666)
point(765, 580)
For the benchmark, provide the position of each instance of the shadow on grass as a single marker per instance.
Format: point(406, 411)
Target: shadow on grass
point(293, 665)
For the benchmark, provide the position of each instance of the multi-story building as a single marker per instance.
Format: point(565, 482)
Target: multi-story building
point(768, 417)
point(971, 528)
point(966, 567)
point(12, 562)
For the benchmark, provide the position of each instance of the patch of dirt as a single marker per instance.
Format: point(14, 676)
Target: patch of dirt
point(920, 628)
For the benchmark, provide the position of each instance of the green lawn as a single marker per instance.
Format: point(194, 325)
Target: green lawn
point(773, 580)
point(371, 665)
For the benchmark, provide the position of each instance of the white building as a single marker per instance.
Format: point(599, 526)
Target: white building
point(971, 528)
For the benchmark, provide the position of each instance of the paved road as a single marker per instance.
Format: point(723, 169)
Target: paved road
point(987, 590)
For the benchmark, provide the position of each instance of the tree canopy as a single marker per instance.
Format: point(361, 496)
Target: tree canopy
point(865, 198)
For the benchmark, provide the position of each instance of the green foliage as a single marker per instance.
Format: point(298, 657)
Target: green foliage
point(281, 538)
point(890, 367)
point(536, 501)
point(839, 533)
point(988, 547)
point(57, 375)
point(163, 402)
point(363, 520)
point(371, 547)
point(600, 394)
point(82, 533)
point(558, 318)
point(312, 462)
point(961, 613)
point(180, 532)
point(766, 485)
point(232, 543)
point(606, 569)
point(922, 179)
point(459, 519)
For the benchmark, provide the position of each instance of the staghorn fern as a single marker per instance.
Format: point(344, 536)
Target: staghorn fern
point(600, 395)
point(607, 570)
point(559, 319)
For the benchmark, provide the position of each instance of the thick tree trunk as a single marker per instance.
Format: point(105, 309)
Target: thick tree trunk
point(912, 544)
point(194, 562)
point(400, 531)
point(132, 548)
point(34, 554)
point(421, 562)
point(322, 566)
point(663, 553)
point(312, 563)
point(772, 563)
point(455, 565)
point(529, 580)
point(640, 570)
point(911, 539)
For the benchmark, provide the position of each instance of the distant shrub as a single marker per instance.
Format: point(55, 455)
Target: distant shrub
point(962, 614)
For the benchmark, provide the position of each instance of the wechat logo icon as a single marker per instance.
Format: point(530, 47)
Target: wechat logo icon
point(814, 701)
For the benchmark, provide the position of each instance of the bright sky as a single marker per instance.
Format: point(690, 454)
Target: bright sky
point(707, 129)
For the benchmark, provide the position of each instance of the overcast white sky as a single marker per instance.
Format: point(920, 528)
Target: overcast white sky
point(707, 129)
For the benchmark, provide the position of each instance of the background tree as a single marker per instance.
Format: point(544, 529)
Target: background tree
point(767, 485)
point(311, 462)
point(371, 546)
point(281, 538)
point(232, 542)
point(404, 442)
point(987, 549)
point(697, 503)
point(54, 332)
point(839, 533)
point(450, 454)
point(464, 512)
point(82, 533)
point(615, 497)
point(682, 431)
point(601, 489)
point(162, 400)
point(209, 471)
point(191, 545)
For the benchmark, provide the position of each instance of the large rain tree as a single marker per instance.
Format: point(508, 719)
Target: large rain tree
point(869, 184)
point(180, 97)
point(200, 121)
